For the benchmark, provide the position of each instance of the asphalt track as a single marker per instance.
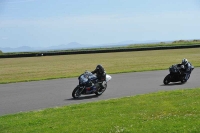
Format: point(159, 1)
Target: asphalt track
point(37, 95)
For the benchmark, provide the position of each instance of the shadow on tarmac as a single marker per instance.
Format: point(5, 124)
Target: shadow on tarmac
point(83, 97)
point(172, 84)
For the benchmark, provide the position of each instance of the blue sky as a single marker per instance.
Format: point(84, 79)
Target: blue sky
point(47, 23)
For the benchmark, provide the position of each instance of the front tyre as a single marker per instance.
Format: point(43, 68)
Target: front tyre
point(76, 92)
point(166, 80)
point(101, 90)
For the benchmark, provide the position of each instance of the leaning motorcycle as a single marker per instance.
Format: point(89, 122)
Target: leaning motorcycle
point(89, 84)
point(176, 74)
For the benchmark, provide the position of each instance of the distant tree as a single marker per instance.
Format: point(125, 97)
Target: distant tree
point(1, 52)
point(196, 40)
point(181, 41)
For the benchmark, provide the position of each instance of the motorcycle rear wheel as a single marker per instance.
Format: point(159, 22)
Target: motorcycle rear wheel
point(76, 92)
point(101, 90)
point(183, 80)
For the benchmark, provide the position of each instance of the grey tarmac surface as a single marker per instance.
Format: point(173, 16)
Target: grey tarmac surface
point(37, 95)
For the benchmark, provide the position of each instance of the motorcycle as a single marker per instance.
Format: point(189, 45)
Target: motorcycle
point(89, 84)
point(176, 74)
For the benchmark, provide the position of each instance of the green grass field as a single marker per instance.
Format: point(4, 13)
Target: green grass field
point(175, 111)
point(51, 67)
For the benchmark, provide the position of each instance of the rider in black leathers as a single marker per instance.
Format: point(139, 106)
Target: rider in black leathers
point(186, 68)
point(101, 74)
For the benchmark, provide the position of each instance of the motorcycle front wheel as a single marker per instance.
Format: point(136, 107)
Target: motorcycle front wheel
point(166, 79)
point(76, 92)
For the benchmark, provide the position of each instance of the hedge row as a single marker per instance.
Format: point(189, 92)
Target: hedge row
point(97, 51)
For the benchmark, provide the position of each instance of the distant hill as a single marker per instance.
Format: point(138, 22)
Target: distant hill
point(18, 49)
point(71, 45)
point(29, 49)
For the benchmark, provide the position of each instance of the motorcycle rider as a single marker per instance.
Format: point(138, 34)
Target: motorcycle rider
point(101, 75)
point(186, 68)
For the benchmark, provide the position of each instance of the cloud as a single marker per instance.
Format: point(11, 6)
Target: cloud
point(17, 1)
point(167, 21)
point(4, 38)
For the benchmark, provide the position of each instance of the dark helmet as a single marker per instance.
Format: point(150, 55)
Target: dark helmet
point(184, 61)
point(100, 68)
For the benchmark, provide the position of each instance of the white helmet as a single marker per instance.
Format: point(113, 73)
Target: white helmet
point(184, 61)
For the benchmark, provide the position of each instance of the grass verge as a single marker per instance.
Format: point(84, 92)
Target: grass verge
point(166, 111)
point(53, 67)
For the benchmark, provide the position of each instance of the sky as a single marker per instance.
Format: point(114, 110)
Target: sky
point(44, 23)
